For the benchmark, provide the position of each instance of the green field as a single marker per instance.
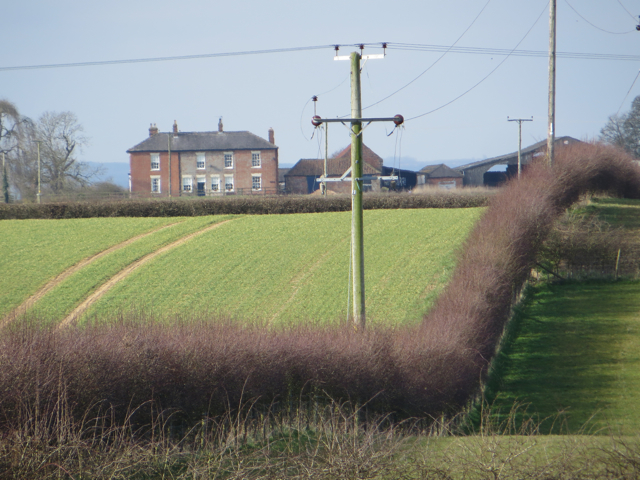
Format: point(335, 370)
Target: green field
point(61, 300)
point(575, 348)
point(34, 251)
point(295, 267)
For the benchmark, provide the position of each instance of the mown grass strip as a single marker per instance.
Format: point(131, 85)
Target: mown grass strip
point(32, 252)
point(295, 268)
point(60, 301)
point(575, 349)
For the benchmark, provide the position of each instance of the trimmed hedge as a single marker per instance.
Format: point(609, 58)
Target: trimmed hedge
point(238, 206)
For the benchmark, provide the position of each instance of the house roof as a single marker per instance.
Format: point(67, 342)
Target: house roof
point(337, 165)
point(369, 156)
point(542, 146)
point(440, 171)
point(202, 141)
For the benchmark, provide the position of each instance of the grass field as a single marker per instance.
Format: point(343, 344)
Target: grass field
point(295, 267)
point(34, 251)
point(270, 268)
point(574, 347)
point(61, 300)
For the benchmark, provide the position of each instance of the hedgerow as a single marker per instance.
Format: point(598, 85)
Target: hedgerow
point(250, 205)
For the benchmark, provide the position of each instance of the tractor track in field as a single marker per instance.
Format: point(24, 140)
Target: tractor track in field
point(125, 272)
point(55, 281)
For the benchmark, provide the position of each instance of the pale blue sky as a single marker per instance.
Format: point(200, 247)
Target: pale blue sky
point(117, 103)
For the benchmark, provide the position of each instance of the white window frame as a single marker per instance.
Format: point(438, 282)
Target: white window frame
point(259, 177)
point(156, 177)
point(189, 183)
point(230, 154)
point(157, 165)
point(226, 182)
point(217, 180)
point(200, 166)
point(256, 160)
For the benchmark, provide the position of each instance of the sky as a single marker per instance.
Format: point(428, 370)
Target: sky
point(117, 102)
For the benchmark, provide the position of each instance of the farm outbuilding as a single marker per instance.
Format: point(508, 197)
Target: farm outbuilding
point(440, 176)
point(303, 177)
point(477, 174)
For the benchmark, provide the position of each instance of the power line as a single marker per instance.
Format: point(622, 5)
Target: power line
point(487, 76)
point(170, 59)
point(625, 9)
point(628, 92)
point(594, 25)
point(513, 53)
point(390, 46)
point(439, 58)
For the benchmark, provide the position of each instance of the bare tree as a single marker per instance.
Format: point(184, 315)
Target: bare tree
point(624, 130)
point(61, 140)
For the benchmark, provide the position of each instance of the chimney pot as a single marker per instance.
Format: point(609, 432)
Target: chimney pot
point(272, 136)
point(153, 129)
point(175, 126)
point(220, 125)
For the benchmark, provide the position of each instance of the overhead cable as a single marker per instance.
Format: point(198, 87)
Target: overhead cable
point(628, 92)
point(513, 53)
point(431, 66)
point(594, 25)
point(486, 76)
point(169, 59)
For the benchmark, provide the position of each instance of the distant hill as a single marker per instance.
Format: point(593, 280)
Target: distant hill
point(116, 172)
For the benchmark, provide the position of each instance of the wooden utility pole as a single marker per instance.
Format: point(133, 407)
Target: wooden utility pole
point(357, 225)
point(169, 149)
point(38, 195)
point(357, 181)
point(519, 120)
point(5, 181)
point(551, 136)
point(326, 156)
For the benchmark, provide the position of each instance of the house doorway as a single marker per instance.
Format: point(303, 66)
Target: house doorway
point(201, 187)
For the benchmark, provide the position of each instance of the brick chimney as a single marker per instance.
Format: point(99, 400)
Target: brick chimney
point(153, 130)
point(220, 125)
point(175, 126)
point(272, 136)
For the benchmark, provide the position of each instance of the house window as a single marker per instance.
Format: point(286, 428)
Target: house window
point(155, 161)
point(255, 159)
point(228, 183)
point(199, 161)
point(215, 183)
point(228, 160)
point(155, 184)
point(256, 182)
point(187, 184)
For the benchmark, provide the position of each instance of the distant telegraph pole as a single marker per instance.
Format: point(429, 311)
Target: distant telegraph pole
point(519, 120)
point(552, 80)
point(39, 193)
point(357, 181)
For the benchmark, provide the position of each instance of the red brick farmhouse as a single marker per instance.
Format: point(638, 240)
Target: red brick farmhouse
point(204, 163)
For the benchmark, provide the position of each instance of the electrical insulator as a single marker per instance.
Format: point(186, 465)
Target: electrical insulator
point(316, 120)
point(398, 120)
